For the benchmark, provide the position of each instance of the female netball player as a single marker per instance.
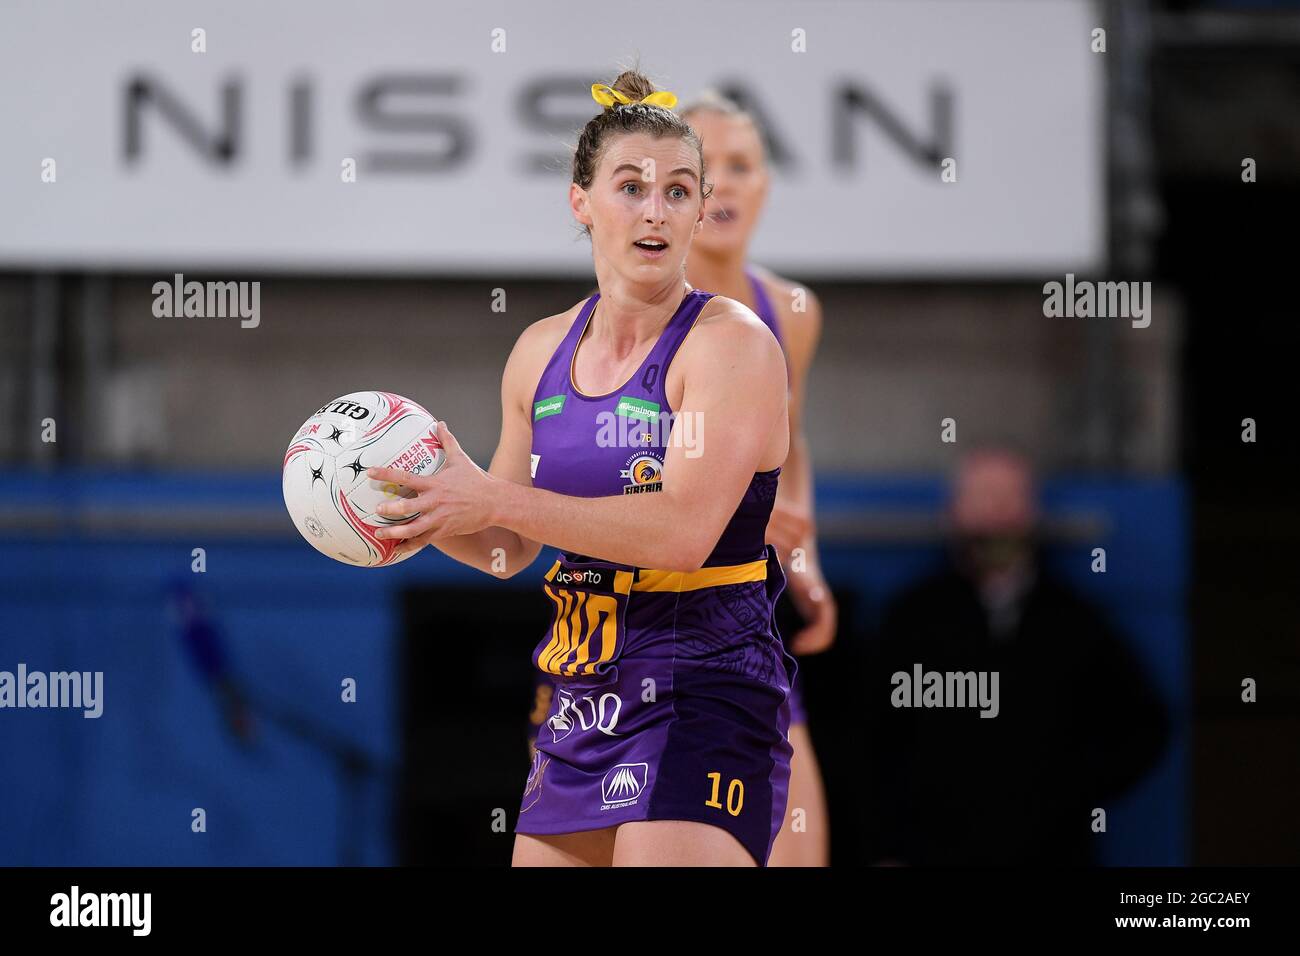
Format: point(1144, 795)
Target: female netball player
point(643, 432)
point(736, 159)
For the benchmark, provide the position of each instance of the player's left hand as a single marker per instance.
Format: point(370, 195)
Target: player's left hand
point(814, 601)
point(457, 499)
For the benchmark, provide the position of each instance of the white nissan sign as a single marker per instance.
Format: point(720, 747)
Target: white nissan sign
point(909, 138)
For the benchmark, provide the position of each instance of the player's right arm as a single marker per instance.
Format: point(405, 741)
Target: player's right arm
point(512, 459)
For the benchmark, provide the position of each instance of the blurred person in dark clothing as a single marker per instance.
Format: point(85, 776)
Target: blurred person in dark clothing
point(1074, 721)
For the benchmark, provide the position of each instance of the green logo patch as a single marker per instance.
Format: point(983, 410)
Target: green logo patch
point(548, 406)
point(629, 407)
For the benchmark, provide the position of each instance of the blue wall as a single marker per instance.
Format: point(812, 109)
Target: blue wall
point(1143, 592)
point(119, 790)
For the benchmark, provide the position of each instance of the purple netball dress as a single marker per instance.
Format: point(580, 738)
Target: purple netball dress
point(670, 689)
point(763, 309)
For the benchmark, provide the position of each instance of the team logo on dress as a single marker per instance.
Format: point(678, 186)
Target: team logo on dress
point(623, 785)
point(645, 472)
point(587, 713)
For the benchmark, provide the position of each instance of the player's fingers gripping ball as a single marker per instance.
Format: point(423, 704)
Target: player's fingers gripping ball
point(457, 502)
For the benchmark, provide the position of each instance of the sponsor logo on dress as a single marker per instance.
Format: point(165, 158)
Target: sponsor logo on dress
point(630, 407)
point(622, 785)
point(591, 577)
point(587, 713)
point(532, 467)
point(548, 406)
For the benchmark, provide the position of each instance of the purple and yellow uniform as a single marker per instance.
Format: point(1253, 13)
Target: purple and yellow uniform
point(671, 688)
point(763, 309)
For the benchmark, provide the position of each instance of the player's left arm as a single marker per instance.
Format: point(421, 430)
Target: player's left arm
point(793, 524)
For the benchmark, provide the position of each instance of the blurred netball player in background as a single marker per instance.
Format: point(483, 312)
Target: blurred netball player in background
point(735, 156)
point(666, 739)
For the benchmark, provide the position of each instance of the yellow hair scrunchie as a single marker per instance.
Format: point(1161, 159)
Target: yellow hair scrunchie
point(608, 96)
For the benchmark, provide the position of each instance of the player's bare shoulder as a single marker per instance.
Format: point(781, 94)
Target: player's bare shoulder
point(544, 336)
point(726, 317)
point(797, 306)
point(727, 329)
point(539, 340)
point(533, 349)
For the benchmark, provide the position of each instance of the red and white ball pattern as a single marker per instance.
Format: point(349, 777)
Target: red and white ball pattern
point(326, 490)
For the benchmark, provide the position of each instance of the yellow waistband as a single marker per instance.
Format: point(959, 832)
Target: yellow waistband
point(652, 580)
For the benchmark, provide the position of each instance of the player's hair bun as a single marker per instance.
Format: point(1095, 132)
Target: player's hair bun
point(633, 84)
